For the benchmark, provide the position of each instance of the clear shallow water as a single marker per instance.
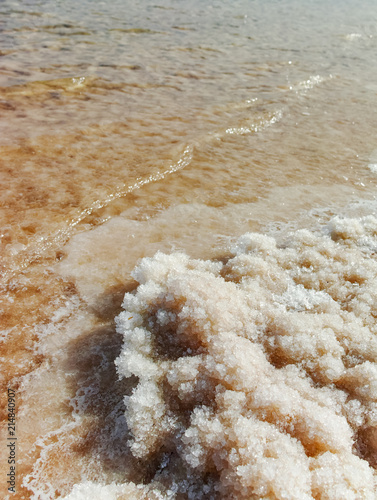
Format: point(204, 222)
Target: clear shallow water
point(131, 128)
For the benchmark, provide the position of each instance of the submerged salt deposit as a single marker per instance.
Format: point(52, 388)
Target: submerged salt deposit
point(257, 375)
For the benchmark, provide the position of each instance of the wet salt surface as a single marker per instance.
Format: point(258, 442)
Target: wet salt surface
point(256, 376)
point(128, 131)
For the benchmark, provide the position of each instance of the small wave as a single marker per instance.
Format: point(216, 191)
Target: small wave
point(26, 254)
point(257, 126)
point(353, 36)
point(305, 85)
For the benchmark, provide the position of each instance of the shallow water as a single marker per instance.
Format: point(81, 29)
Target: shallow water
point(127, 129)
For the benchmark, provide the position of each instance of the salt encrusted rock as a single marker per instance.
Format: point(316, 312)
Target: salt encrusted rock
point(258, 377)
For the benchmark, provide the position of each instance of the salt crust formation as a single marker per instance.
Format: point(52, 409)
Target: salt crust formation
point(257, 375)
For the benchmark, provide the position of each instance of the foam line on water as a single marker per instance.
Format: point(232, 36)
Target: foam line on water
point(34, 250)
